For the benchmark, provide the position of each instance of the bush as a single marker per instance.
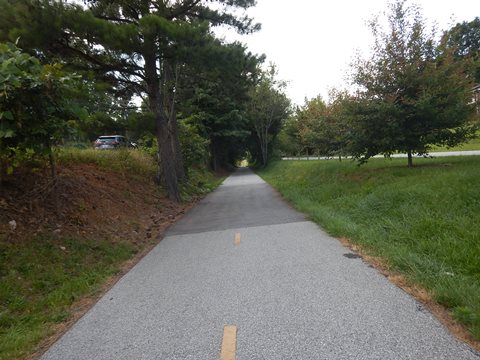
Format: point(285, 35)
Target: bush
point(194, 146)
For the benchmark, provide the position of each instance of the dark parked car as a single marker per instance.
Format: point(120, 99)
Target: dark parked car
point(111, 142)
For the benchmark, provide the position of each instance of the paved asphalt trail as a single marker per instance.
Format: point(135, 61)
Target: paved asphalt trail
point(287, 286)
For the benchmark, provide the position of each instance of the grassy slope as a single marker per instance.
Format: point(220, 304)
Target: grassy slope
point(473, 144)
point(137, 163)
point(424, 221)
point(42, 276)
point(40, 281)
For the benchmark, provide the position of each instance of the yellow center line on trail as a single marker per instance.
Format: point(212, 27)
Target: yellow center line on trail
point(237, 239)
point(229, 343)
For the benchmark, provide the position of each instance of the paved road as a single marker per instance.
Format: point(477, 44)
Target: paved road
point(287, 287)
point(432, 154)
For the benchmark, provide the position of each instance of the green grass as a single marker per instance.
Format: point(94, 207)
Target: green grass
point(473, 144)
point(39, 281)
point(135, 162)
point(140, 164)
point(423, 221)
point(200, 182)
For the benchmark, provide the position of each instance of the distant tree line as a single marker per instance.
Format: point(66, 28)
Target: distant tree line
point(414, 92)
point(74, 71)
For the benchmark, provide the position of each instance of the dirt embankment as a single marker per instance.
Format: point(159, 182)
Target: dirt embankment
point(84, 201)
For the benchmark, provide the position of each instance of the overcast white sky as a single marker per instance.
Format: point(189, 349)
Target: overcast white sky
point(312, 42)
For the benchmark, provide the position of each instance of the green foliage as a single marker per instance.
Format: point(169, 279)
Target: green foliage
point(425, 219)
point(34, 104)
point(289, 141)
point(464, 39)
point(268, 108)
point(473, 144)
point(412, 93)
point(318, 128)
point(200, 182)
point(214, 95)
point(140, 124)
point(122, 43)
point(194, 146)
point(312, 125)
point(101, 123)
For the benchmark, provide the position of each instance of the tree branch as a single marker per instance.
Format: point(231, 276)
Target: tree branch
point(102, 65)
point(133, 83)
point(183, 9)
point(108, 18)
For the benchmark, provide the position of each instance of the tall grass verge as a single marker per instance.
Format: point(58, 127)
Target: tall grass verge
point(140, 163)
point(136, 162)
point(423, 221)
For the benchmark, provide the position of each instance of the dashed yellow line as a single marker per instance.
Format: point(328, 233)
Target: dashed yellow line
point(237, 239)
point(229, 343)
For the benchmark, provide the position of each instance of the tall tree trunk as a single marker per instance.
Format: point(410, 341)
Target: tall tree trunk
point(265, 147)
point(3, 165)
point(167, 174)
point(53, 174)
point(170, 89)
point(177, 150)
point(410, 159)
point(213, 154)
point(51, 160)
point(262, 142)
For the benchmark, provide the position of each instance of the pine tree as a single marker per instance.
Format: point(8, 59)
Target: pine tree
point(140, 45)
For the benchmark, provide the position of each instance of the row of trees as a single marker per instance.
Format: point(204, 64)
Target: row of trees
point(414, 92)
point(85, 66)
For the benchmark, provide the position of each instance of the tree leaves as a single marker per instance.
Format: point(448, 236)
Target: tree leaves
point(34, 103)
point(412, 92)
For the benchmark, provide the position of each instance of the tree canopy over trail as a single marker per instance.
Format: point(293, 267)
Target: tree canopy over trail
point(162, 53)
point(269, 108)
point(154, 70)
